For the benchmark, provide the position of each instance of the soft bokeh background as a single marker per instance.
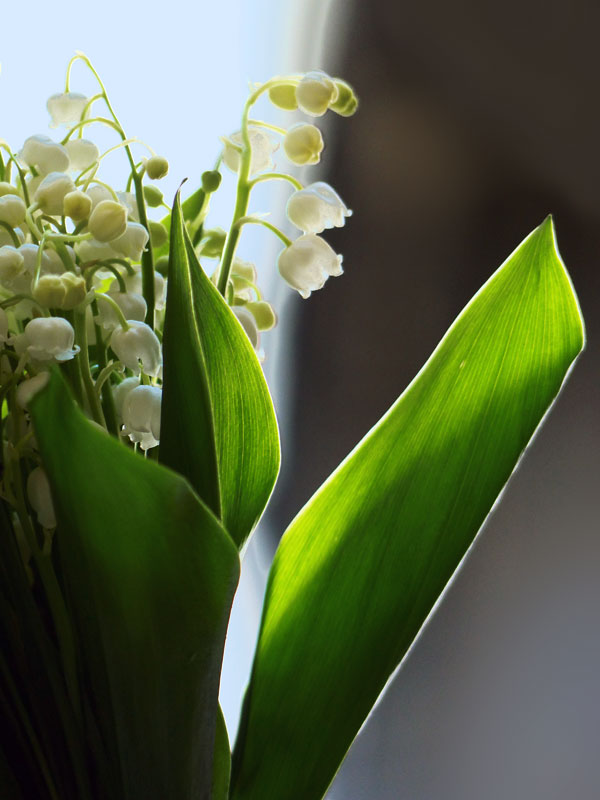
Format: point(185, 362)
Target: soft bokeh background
point(477, 119)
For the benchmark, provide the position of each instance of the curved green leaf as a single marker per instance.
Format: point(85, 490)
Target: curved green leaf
point(362, 565)
point(214, 387)
point(222, 761)
point(149, 575)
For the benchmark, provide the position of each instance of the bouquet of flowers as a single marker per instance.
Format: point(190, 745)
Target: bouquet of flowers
point(140, 448)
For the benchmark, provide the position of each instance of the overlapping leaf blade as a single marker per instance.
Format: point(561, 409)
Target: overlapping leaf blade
point(362, 565)
point(149, 575)
point(214, 383)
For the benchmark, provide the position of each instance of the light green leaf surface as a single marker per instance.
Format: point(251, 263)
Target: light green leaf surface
point(222, 760)
point(149, 575)
point(214, 386)
point(362, 565)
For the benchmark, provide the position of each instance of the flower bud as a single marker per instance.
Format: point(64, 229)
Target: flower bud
point(108, 221)
point(12, 210)
point(141, 415)
point(132, 242)
point(75, 290)
point(131, 304)
point(7, 188)
point(303, 144)
point(82, 153)
point(211, 180)
point(248, 323)
point(66, 108)
point(48, 156)
point(152, 196)
point(12, 263)
point(307, 263)
point(315, 92)
point(284, 97)
point(27, 390)
point(316, 207)
point(77, 205)
point(49, 291)
point(213, 243)
point(262, 147)
point(138, 348)
point(50, 194)
point(48, 338)
point(158, 233)
point(40, 497)
point(157, 167)
point(347, 102)
point(263, 313)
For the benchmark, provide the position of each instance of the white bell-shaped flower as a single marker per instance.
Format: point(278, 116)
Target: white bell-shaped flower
point(129, 200)
point(248, 323)
point(134, 284)
point(82, 153)
point(262, 146)
point(316, 207)
point(307, 263)
point(7, 188)
point(315, 92)
point(12, 264)
point(108, 221)
point(12, 210)
point(157, 167)
point(50, 338)
point(120, 392)
point(132, 305)
point(66, 108)
point(50, 194)
point(40, 497)
point(303, 144)
point(141, 415)
point(97, 193)
point(30, 387)
point(132, 242)
point(93, 250)
point(48, 156)
point(138, 348)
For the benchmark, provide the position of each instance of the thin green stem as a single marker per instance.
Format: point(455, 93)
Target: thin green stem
point(276, 176)
point(53, 593)
point(244, 185)
point(117, 309)
point(86, 374)
point(259, 123)
point(11, 233)
point(273, 228)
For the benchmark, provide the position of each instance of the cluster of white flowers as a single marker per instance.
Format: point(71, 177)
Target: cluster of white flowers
point(82, 267)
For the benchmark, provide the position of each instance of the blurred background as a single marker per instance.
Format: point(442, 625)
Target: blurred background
point(476, 120)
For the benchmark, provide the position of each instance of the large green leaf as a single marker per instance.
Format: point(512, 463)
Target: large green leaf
point(149, 575)
point(362, 565)
point(214, 387)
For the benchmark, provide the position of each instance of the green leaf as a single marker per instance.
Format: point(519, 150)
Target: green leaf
point(222, 761)
point(149, 575)
point(362, 565)
point(191, 208)
point(216, 403)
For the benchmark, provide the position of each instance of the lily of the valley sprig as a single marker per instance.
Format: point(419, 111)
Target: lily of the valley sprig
point(83, 266)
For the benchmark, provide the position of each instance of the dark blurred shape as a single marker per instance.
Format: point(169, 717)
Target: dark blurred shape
point(476, 120)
